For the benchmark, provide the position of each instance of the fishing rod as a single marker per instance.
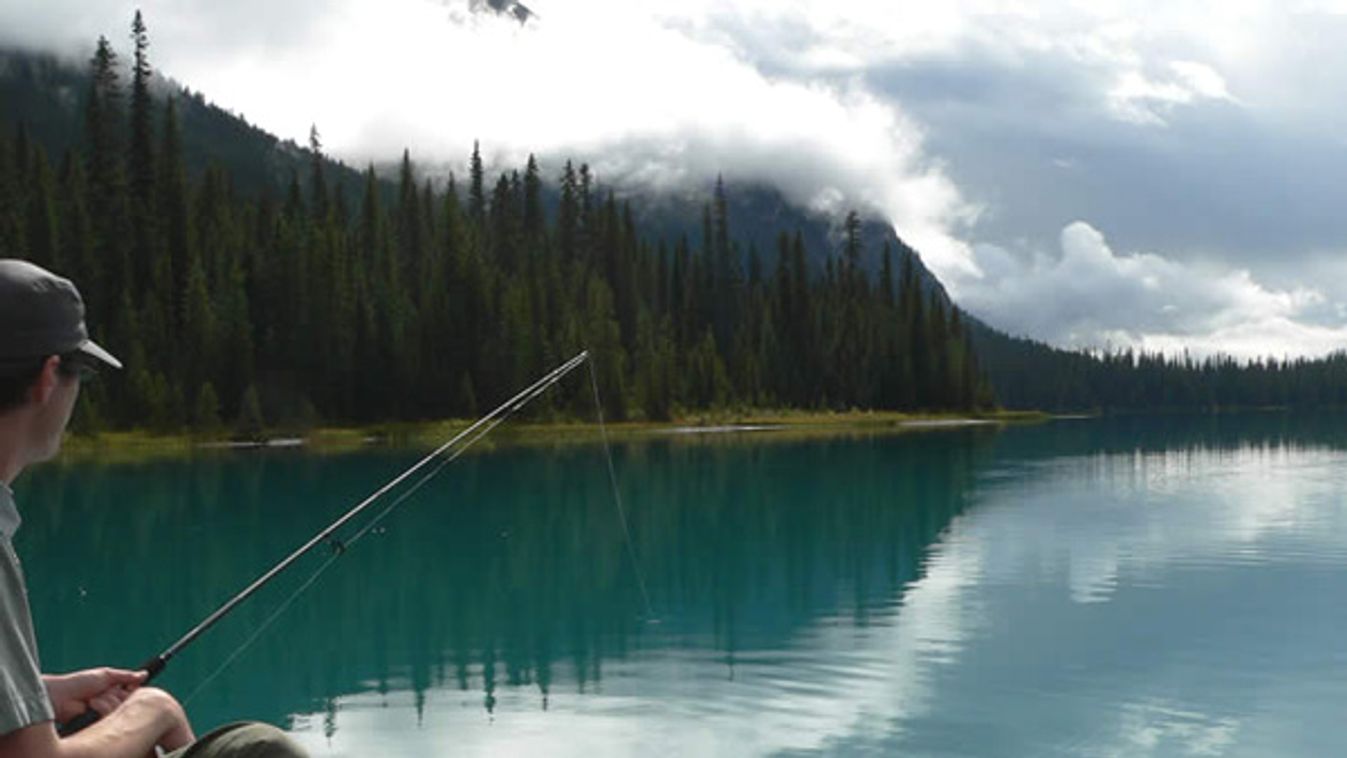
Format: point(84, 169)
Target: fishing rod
point(155, 666)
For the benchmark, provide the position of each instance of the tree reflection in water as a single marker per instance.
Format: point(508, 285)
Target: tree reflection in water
point(510, 571)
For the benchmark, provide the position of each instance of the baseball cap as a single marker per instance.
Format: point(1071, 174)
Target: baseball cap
point(42, 314)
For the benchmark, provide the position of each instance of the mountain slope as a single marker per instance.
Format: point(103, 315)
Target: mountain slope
point(759, 214)
point(401, 300)
point(42, 102)
point(45, 96)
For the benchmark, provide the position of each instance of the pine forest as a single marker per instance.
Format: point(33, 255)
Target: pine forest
point(305, 306)
point(241, 306)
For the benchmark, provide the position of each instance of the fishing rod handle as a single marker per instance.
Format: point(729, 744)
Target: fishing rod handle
point(153, 667)
point(79, 723)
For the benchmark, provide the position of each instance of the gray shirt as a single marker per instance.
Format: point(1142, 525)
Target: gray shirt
point(23, 697)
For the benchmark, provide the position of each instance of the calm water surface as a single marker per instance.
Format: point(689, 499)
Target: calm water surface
point(1108, 587)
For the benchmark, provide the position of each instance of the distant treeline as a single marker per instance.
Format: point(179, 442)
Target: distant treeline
point(1028, 374)
point(253, 311)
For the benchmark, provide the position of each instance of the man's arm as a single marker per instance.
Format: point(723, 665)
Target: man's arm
point(148, 718)
point(102, 689)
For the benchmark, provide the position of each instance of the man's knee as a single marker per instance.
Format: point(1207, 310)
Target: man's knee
point(266, 741)
point(250, 740)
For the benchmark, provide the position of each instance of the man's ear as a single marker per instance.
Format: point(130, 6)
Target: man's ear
point(46, 382)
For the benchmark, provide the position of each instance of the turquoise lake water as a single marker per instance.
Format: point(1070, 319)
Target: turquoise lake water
point(1171, 586)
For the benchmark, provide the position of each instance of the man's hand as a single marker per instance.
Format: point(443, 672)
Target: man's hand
point(102, 689)
point(148, 718)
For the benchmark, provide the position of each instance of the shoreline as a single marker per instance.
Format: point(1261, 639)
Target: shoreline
point(143, 445)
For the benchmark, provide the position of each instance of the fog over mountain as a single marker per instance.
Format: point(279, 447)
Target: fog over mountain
point(1148, 174)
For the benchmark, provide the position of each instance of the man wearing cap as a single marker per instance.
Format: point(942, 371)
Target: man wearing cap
point(45, 352)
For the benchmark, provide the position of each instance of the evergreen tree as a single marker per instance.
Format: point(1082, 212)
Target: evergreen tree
point(142, 156)
point(107, 187)
point(234, 336)
point(251, 422)
point(412, 244)
point(11, 203)
point(21, 154)
point(102, 118)
point(318, 194)
point(568, 216)
point(477, 189)
point(603, 339)
point(585, 244)
point(175, 218)
point(533, 221)
point(43, 245)
point(726, 284)
point(76, 236)
point(198, 343)
point(206, 411)
point(886, 296)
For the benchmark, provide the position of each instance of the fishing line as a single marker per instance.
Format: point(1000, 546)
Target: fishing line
point(248, 643)
point(154, 666)
point(617, 498)
point(472, 434)
point(341, 547)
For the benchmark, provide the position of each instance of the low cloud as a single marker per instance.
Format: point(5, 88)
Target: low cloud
point(1089, 296)
point(648, 96)
point(203, 33)
point(1170, 125)
point(1139, 99)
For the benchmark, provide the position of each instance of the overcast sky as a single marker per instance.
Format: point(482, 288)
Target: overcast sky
point(1095, 173)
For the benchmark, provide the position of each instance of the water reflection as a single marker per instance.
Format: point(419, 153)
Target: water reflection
point(508, 573)
point(1077, 588)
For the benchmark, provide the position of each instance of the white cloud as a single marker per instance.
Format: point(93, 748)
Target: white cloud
point(790, 92)
point(1201, 80)
point(643, 95)
point(1091, 297)
point(1142, 100)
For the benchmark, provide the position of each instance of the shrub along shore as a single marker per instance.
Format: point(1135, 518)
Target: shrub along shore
point(137, 445)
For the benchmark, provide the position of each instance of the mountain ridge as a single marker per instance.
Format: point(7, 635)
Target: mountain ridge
point(226, 239)
point(44, 95)
point(46, 92)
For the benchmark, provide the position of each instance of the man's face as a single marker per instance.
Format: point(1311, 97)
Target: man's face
point(54, 414)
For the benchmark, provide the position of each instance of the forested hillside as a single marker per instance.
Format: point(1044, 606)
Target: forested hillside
point(233, 304)
point(1029, 374)
point(251, 282)
point(44, 96)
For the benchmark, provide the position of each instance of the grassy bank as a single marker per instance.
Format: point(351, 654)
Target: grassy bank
point(139, 445)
